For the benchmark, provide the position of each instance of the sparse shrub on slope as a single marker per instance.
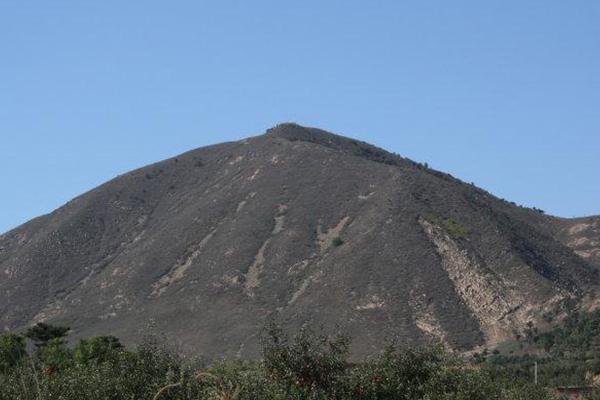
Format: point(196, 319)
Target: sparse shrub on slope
point(337, 241)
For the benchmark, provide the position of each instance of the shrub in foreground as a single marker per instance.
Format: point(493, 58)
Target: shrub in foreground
point(307, 366)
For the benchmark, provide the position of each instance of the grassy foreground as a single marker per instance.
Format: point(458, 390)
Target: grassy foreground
point(308, 365)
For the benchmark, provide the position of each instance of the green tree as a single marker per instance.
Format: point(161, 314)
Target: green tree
point(307, 365)
point(97, 349)
point(41, 333)
point(12, 349)
point(55, 355)
point(397, 374)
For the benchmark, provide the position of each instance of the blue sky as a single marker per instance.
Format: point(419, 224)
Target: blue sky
point(502, 93)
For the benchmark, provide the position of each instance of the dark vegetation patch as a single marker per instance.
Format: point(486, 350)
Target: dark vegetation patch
point(567, 355)
point(307, 366)
point(451, 226)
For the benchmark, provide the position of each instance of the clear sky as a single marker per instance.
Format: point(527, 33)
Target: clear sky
point(502, 93)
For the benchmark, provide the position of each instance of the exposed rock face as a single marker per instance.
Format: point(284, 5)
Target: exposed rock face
point(496, 301)
point(583, 236)
point(301, 225)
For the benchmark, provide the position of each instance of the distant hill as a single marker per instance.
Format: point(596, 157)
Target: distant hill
point(300, 225)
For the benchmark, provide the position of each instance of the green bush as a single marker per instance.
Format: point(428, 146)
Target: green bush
point(41, 333)
point(451, 226)
point(55, 355)
point(97, 350)
point(309, 365)
point(247, 380)
point(337, 241)
point(135, 374)
point(396, 374)
point(12, 350)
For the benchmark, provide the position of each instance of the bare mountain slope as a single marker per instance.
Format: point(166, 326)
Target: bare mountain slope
point(298, 224)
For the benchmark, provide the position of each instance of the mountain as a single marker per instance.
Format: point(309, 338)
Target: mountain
point(300, 225)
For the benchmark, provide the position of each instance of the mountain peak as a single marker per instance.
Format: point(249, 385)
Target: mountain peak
point(295, 132)
point(212, 243)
